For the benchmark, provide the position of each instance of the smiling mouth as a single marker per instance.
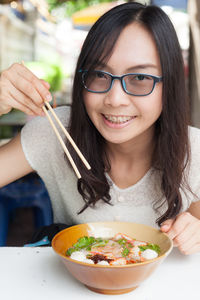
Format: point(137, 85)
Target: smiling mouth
point(118, 119)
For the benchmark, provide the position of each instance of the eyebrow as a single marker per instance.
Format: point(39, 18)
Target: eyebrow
point(141, 66)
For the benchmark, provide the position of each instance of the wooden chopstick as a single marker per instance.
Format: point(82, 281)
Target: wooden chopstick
point(62, 143)
point(68, 137)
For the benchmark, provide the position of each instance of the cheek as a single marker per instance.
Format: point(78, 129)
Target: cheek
point(152, 107)
point(157, 105)
point(92, 102)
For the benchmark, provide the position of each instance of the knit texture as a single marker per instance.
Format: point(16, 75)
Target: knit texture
point(134, 204)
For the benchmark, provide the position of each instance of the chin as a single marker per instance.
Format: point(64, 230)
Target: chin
point(117, 140)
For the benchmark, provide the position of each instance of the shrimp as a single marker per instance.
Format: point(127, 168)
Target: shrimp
point(119, 236)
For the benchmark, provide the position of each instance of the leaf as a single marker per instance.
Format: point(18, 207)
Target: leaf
point(125, 251)
point(150, 246)
point(101, 243)
point(122, 241)
point(84, 242)
point(87, 243)
point(70, 251)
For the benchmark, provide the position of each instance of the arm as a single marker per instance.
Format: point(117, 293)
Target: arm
point(13, 163)
point(20, 89)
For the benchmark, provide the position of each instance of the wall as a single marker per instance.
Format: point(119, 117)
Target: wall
point(194, 61)
point(16, 40)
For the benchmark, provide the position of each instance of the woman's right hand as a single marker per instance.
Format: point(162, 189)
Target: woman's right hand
point(21, 89)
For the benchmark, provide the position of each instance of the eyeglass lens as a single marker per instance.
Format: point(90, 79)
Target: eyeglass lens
point(137, 84)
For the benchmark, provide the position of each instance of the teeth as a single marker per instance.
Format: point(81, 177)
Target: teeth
point(115, 119)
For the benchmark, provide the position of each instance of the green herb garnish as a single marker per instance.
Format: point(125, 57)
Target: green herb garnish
point(125, 252)
point(70, 251)
point(87, 243)
point(122, 242)
point(100, 244)
point(150, 246)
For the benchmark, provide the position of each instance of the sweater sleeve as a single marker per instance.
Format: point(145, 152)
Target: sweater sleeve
point(193, 168)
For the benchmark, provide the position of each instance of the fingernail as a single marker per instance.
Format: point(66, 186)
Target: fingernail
point(48, 97)
point(164, 227)
point(47, 84)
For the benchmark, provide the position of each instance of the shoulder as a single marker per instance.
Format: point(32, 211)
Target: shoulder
point(42, 123)
point(193, 132)
point(38, 138)
point(193, 176)
point(194, 139)
point(63, 112)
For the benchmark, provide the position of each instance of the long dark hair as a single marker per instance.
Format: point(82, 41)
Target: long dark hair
point(172, 147)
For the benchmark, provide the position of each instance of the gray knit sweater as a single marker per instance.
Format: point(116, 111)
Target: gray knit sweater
point(135, 203)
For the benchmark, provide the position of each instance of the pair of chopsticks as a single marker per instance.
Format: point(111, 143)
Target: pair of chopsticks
point(68, 137)
point(60, 138)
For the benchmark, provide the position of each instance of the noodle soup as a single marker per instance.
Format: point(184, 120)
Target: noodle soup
point(118, 250)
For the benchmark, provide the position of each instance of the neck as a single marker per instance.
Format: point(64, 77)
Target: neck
point(140, 148)
point(132, 158)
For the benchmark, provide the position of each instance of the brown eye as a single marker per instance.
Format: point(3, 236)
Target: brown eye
point(101, 75)
point(139, 77)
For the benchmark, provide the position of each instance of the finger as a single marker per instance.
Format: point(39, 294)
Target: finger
point(22, 78)
point(22, 85)
point(28, 89)
point(189, 237)
point(23, 100)
point(5, 109)
point(179, 225)
point(12, 103)
point(46, 84)
point(166, 225)
point(41, 88)
point(174, 243)
point(192, 250)
point(7, 101)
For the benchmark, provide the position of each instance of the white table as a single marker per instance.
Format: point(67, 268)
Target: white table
point(38, 274)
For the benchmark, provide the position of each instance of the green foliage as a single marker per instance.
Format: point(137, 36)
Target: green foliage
point(73, 5)
point(52, 73)
point(6, 132)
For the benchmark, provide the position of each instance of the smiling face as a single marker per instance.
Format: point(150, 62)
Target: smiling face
point(118, 116)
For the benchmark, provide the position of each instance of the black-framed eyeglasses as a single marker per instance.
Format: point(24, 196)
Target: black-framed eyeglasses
point(136, 84)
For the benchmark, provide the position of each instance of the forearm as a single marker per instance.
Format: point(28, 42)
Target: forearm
point(194, 209)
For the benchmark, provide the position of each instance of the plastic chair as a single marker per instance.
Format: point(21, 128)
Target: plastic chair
point(28, 191)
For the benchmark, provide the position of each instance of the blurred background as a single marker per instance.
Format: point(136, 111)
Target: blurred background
point(48, 35)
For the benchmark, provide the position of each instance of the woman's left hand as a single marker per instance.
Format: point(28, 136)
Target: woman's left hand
point(184, 230)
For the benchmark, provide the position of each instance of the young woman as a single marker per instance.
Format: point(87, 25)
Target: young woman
point(129, 117)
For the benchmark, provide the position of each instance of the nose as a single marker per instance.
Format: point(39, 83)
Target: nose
point(116, 96)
